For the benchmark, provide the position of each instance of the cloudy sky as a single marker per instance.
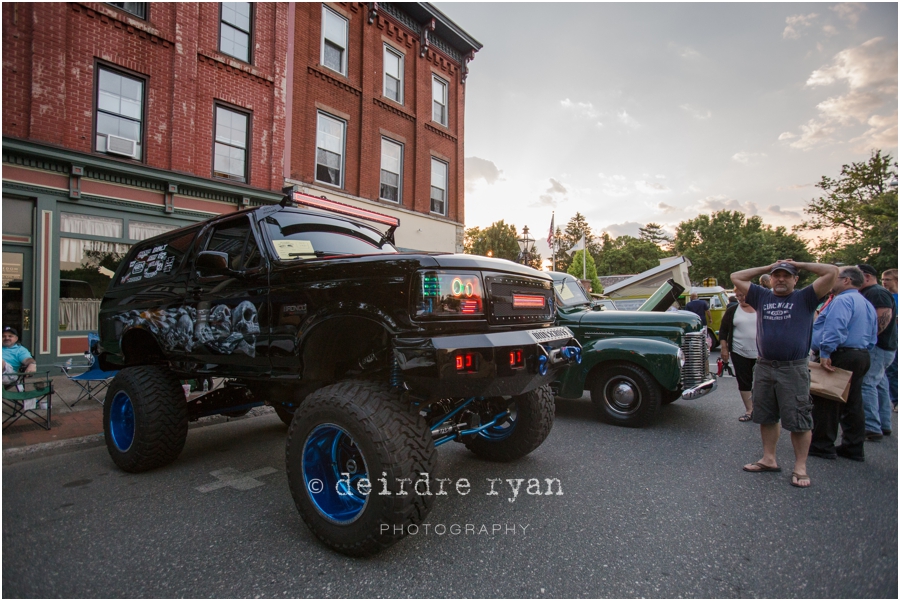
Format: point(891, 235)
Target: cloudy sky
point(637, 113)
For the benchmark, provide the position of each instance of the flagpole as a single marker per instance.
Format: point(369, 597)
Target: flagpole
point(584, 258)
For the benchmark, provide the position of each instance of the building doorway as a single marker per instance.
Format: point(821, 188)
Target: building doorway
point(18, 292)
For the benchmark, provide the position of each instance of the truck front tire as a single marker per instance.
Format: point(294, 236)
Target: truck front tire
point(527, 426)
point(355, 455)
point(145, 418)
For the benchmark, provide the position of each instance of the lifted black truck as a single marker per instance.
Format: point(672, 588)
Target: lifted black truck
point(371, 356)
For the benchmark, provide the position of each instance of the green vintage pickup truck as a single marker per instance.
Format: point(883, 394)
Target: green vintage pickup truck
point(633, 361)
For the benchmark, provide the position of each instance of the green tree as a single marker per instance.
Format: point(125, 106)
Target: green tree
point(859, 212)
point(572, 235)
point(496, 240)
point(653, 232)
point(626, 255)
point(577, 268)
point(728, 241)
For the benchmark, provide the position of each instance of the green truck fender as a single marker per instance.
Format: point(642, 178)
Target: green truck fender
point(658, 357)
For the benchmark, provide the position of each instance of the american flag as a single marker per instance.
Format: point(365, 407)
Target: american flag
point(550, 235)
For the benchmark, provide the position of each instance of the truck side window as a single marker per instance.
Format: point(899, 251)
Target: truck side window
point(235, 239)
point(156, 258)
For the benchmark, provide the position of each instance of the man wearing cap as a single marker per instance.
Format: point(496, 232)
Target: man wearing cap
point(842, 335)
point(784, 319)
point(876, 398)
point(15, 356)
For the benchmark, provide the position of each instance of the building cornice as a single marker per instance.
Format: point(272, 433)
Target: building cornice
point(45, 157)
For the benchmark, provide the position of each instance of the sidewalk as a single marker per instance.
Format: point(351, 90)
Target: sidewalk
point(81, 425)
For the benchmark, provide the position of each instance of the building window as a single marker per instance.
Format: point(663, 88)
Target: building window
point(391, 170)
point(138, 9)
point(439, 100)
point(438, 187)
point(231, 144)
point(234, 30)
point(393, 74)
point(120, 114)
point(330, 150)
point(334, 41)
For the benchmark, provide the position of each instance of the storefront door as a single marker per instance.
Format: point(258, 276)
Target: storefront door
point(18, 292)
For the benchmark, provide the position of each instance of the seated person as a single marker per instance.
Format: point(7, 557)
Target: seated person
point(16, 358)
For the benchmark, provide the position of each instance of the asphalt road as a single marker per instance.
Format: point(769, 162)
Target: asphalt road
point(659, 512)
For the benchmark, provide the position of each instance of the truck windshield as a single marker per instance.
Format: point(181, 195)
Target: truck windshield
point(570, 293)
point(298, 236)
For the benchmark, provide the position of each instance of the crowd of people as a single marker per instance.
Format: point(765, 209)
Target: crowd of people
point(771, 332)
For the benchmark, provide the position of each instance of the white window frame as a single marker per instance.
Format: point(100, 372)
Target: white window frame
point(322, 115)
point(230, 143)
point(325, 13)
point(398, 173)
point(98, 109)
point(444, 102)
point(445, 189)
point(393, 52)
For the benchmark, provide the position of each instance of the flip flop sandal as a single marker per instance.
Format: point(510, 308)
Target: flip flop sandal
point(746, 417)
point(800, 478)
point(761, 467)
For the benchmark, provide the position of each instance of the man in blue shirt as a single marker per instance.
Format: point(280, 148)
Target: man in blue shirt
point(784, 319)
point(843, 334)
point(15, 356)
point(876, 398)
point(698, 307)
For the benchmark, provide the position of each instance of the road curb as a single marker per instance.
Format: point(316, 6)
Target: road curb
point(46, 449)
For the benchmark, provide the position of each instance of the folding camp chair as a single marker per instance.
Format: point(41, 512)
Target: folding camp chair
point(29, 403)
point(93, 381)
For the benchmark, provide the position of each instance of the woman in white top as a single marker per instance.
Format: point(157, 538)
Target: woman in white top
point(738, 336)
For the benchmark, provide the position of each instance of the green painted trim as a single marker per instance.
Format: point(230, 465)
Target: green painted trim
point(52, 158)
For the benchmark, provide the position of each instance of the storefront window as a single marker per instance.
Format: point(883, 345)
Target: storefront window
point(141, 230)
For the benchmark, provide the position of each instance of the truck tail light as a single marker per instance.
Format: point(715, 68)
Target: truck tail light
point(467, 362)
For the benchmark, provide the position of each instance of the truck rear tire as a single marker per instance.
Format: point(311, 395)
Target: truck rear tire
point(626, 394)
point(145, 418)
point(343, 436)
point(526, 427)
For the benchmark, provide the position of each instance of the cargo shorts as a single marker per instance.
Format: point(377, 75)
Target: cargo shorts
point(781, 391)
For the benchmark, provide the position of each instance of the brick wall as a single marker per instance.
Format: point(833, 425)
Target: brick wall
point(358, 99)
point(50, 55)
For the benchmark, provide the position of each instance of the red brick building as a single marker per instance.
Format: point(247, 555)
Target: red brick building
point(123, 120)
point(378, 113)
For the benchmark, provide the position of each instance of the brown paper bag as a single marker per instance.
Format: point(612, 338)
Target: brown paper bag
point(834, 386)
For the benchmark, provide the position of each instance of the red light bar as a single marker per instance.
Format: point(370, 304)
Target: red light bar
point(524, 301)
point(516, 358)
point(344, 209)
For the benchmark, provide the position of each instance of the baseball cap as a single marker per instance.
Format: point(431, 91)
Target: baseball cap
point(865, 268)
point(785, 267)
point(10, 330)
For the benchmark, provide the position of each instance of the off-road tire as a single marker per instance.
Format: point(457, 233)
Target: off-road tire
point(145, 418)
point(389, 437)
point(610, 391)
point(534, 412)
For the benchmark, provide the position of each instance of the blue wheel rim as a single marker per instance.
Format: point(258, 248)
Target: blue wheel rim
point(121, 421)
point(333, 467)
point(503, 428)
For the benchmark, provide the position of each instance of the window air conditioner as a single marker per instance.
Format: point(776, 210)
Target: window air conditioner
point(123, 146)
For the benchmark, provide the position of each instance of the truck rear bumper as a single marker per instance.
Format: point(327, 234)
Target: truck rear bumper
point(485, 365)
point(700, 390)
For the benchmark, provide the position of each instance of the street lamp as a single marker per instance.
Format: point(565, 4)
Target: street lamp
point(526, 245)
